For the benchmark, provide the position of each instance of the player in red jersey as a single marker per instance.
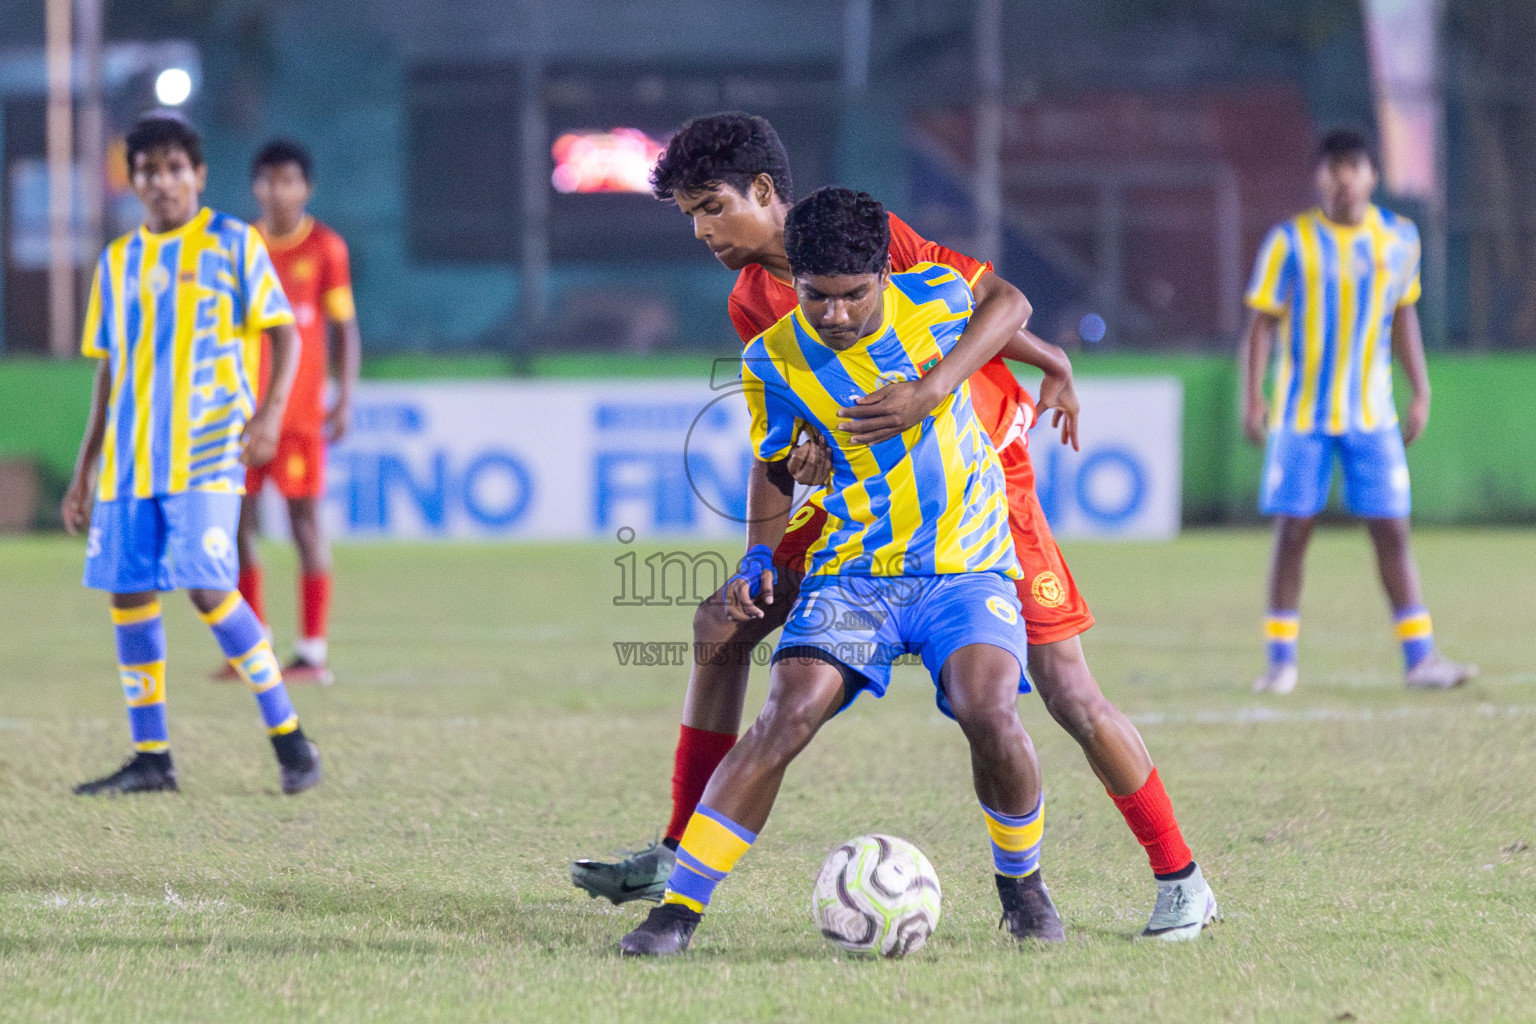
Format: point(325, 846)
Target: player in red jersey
point(312, 265)
point(730, 175)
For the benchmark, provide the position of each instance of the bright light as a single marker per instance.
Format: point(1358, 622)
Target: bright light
point(616, 161)
point(173, 87)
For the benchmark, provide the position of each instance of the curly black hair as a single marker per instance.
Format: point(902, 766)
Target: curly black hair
point(730, 149)
point(161, 130)
point(279, 152)
point(836, 230)
point(1345, 143)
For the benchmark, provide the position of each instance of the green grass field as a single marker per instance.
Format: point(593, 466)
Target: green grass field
point(1372, 848)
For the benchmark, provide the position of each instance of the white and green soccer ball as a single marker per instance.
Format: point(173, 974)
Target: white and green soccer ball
point(876, 894)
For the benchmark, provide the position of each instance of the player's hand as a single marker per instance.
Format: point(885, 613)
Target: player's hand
point(887, 412)
point(1060, 394)
point(754, 576)
point(337, 421)
point(1417, 419)
point(260, 436)
point(811, 462)
point(1255, 421)
point(76, 507)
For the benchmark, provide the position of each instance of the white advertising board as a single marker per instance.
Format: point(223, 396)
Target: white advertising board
point(548, 461)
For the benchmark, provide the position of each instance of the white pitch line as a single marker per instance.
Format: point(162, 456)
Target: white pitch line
point(1259, 714)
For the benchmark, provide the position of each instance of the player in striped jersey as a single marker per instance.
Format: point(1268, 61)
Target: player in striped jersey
point(176, 316)
point(1333, 297)
point(729, 173)
point(917, 558)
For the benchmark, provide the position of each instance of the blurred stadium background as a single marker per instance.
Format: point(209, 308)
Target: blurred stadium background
point(1118, 159)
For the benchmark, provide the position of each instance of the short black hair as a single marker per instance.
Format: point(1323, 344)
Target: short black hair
point(1345, 144)
point(836, 230)
point(731, 148)
point(283, 151)
point(161, 130)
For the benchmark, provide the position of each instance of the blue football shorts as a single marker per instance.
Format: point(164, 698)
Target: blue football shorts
point(864, 623)
point(1298, 470)
point(171, 542)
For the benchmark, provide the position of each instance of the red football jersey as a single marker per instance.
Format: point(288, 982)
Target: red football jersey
point(316, 275)
point(759, 300)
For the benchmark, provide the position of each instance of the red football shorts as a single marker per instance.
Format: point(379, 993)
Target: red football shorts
point(298, 468)
point(1054, 609)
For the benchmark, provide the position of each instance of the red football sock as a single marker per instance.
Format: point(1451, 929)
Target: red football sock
point(250, 589)
point(315, 604)
point(1149, 813)
point(699, 753)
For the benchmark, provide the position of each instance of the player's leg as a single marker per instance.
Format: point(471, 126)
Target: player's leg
point(311, 649)
point(1376, 487)
point(805, 691)
point(199, 528)
point(717, 688)
point(252, 580)
point(125, 556)
point(1297, 471)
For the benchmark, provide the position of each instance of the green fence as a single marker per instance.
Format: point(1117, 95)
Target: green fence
point(1475, 464)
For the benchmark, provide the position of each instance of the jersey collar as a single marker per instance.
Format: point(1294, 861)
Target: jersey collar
point(197, 221)
point(279, 243)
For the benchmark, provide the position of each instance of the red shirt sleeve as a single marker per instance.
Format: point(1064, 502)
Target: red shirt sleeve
point(908, 249)
point(336, 279)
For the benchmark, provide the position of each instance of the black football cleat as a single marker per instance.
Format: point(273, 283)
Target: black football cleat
point(297, 772)
point(1028, 912)
point(141, 773)
point(665, 931)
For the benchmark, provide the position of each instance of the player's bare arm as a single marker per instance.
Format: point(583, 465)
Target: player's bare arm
point(77, 499)
point(1001, 312)
point(347, 356)
point(260, 435)
point(1408, 348)
point(1058, 391)
point(770, 493)
point(1253, 360)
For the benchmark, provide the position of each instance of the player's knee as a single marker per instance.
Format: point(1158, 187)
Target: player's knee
point(1077, 709)
point(1293, 532)
point(990, 723)
point(786, 727)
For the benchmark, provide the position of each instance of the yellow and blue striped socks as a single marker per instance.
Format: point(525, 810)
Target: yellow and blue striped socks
point(141, 667)
point(244, 642)
point(1281, 631)
point(1016, 840)
point(1415, 633)
point(710, 848)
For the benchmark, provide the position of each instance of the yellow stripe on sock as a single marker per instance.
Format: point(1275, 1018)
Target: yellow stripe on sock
point(245, 663)
point(152, 746)
point(225, 609)
point(1415, 627)
point(693, 905)
point(1016, 838)
point(285, 727)
point(1282, 629)
point(712, 844)
point(143, 613)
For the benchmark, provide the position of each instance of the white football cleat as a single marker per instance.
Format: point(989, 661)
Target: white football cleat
point(1437, 673)
point(1184, 907)
point(1280, 679)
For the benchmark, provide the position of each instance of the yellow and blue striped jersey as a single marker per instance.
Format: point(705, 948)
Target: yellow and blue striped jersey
point(926, 503)
point(1335, 289)
point(179, 317)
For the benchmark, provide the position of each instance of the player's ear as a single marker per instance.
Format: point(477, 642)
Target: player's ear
point(200, 172)
point(763, 192)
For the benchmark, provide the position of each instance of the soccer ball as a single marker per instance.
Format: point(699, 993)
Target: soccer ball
point(876, 894)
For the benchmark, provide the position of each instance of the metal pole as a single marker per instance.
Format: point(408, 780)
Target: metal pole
point(988, 46)
point(88, 14)
point(856, 39)
point(61, 258)
point(535, 195)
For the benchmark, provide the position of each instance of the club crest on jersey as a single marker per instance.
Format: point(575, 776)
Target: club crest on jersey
point(1046, 588)
point(1002, 609)
point(159, 279)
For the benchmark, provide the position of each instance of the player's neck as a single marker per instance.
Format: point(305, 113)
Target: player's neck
point(775, 260)
point(176, 222)
point(278, 226)
point(1346, 217)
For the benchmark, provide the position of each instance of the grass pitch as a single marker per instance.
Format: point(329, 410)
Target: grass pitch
point(1371, 848)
